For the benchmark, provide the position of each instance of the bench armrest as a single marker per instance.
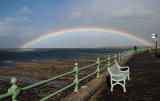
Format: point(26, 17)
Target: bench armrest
point(125, 67)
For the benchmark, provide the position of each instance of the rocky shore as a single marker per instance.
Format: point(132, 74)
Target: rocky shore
point(43, 70)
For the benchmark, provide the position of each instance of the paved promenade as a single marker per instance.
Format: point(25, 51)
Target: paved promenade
point(144, 84)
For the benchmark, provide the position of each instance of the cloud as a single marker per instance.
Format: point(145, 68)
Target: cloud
point(137, 17)
point(15, 31)
point(25, 10)
point(75, 14)
point(10, 29)
point(17, 20)
point(100, 11)
point(136, 11)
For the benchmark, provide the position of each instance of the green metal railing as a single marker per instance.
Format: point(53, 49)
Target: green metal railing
point(14, 91)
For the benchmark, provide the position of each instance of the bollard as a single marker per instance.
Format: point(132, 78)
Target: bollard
point(98, 70)
point(14, 90)
point(76, 81)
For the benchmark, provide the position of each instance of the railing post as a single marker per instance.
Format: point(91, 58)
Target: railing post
point(122, 56)
point(98, 70)
point(115, 58)
point(131, 53)
point(126, 54)
point(76, 81)
point(14, 90)
point(119, 58)
point(109, 61)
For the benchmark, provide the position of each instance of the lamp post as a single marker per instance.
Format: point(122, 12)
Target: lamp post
point(155, 37)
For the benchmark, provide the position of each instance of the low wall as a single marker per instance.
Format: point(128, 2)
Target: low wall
point(91, 89)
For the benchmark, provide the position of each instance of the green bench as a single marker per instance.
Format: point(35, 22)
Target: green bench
point(117, 76)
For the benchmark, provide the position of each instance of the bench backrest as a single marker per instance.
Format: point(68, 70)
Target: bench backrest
point(113, 70)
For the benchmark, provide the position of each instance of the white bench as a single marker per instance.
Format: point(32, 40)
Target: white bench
point(117, 75)
point(124, 67)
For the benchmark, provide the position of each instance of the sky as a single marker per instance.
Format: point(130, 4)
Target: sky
point(24, 20)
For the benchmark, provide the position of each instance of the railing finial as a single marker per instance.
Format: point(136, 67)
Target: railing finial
point(14, 90)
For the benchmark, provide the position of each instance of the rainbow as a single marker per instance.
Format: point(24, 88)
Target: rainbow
point(46, 36)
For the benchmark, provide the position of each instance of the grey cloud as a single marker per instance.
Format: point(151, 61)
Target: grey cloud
point(137, 17)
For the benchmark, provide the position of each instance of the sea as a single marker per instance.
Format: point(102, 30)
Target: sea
point(33, 55)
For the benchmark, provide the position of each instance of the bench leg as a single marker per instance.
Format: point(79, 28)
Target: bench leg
point(112, 85)
point(124, 85)
point(111, 88)
point(128, 77)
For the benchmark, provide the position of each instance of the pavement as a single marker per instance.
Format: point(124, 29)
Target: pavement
point(144, 84)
